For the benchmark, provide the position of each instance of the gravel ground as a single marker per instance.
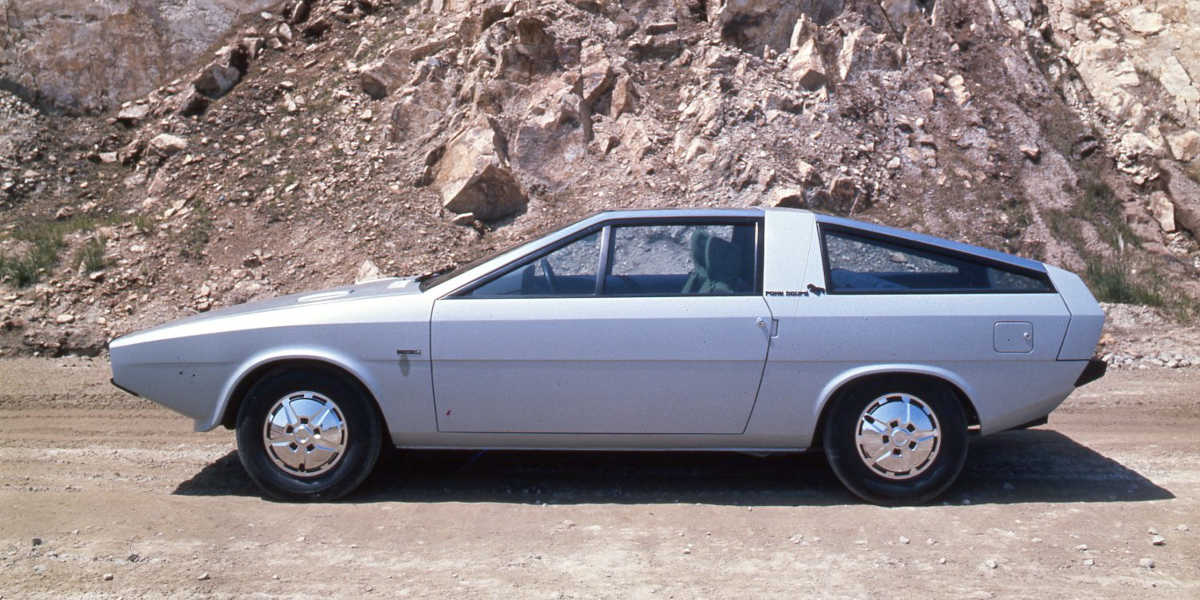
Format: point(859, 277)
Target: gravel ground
point(105, 495)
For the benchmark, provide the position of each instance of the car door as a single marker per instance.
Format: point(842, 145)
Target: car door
point(629, 328)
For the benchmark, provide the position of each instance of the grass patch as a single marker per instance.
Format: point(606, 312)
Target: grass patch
point(1100, 206)
point(1116, 282)
point(91, 255)
point(195, 236)
point(45, 241)
point(143, 224)
point(1111, 282)
point(41, 256)
point(1061, 225)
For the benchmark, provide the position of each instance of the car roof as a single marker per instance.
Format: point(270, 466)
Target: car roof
point(652, 213)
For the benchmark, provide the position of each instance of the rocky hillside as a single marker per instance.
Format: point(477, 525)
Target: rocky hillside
point(325, 137)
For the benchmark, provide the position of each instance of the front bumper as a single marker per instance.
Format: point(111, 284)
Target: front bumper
point(123, 389)
point(1094, 370)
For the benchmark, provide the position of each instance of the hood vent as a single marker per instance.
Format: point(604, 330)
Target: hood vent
point(323, 296)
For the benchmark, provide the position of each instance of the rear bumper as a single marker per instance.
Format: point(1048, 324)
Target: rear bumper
point(1094, 370)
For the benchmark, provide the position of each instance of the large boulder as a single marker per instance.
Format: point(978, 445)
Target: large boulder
point(368, 271)
point(596, 74)
point(224, 72)
point(166, 144)
point(1185, 145)
point(807, 66)
point(382, 77)
point(552, 135)
point(863, 50)
point(474, 176)
point(1143, 21)
point(216, 80)
point(131, 115)
point(624, 97)
point(527, 49)
point(83, 55)
point(1185, 195)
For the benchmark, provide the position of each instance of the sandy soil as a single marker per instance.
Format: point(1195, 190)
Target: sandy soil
point(104, 495)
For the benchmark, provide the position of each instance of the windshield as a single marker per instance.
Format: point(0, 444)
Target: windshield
point(438, 277)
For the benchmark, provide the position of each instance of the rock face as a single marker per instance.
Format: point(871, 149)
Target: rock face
point(82, 55)
point(1138, 66)
point(473, 176)
point(757, 24)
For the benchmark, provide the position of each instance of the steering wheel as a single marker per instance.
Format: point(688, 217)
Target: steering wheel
point(631, 284)
point(545, 264)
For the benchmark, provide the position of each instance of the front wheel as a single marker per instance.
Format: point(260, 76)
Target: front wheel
point(308, 435)
point(897, 441)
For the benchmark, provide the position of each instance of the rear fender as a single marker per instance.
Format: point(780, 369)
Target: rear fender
point(848, 376)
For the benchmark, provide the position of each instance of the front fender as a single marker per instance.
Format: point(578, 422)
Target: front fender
point(355, 367)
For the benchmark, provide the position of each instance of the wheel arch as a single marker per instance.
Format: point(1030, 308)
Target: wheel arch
point(253, 371)
point(837, 388)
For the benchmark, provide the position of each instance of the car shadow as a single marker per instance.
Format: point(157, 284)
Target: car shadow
point(1034, 465)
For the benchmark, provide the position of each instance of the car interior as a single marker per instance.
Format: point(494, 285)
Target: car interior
point(860, 264)
point(718, 267)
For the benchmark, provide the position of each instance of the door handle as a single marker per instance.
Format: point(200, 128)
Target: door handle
point(763, 322)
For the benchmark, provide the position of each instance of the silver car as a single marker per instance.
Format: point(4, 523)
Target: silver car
point(750, 330)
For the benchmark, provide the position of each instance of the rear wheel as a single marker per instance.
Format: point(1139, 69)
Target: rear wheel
point(897, 441)
point(308, 435)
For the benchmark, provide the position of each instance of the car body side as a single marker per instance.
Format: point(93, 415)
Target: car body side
point(380, 334)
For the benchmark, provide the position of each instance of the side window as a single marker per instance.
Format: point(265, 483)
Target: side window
point(867, 264)
point(568, 271)
point(668, 260)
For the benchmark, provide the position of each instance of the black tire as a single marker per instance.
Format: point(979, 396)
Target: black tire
point(363, 439)
point(932, 478)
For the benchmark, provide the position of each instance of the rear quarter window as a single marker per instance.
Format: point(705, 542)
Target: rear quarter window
point(863, 263)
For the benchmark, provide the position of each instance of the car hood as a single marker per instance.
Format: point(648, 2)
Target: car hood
point(395, 286)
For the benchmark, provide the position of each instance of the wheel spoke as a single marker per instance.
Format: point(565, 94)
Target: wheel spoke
point(320, 454)
point(278, 433)
point(320, 420)
point(290, 413)
point(871, 443)
point(921, 435)
point(332, 435)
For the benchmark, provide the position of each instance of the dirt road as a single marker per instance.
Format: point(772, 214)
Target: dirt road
point(106, 495)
